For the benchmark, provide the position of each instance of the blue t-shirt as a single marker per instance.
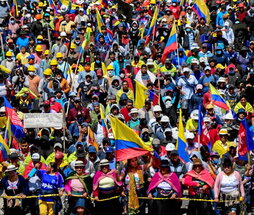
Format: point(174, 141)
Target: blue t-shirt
point(50, 183)
point(22, 42)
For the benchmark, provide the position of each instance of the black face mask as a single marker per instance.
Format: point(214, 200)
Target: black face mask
point(145, 138)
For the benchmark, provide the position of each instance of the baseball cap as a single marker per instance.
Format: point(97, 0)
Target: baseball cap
point(109, 149)
point(91, 149)
point(36, 157)
point(58, 145)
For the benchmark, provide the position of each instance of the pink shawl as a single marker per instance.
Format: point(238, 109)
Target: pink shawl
point(171, 179)
point(204, 176)
point(100, 175)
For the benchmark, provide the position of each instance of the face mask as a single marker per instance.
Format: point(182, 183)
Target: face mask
point(145, 138)
point(215, 161)
point(218, 52)
point(39, 42)
point(31, 73)
point(60, 61)
point(59, 78)
point(188, 30)
point(12, 21)
point(110, 73)
point(121, 75)
point(87, 68)
point(174, 4)
point(231, 72)
point(97, 61)
point(77, 42)
point(9, 59)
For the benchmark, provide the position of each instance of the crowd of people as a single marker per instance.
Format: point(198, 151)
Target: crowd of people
point(85, 59)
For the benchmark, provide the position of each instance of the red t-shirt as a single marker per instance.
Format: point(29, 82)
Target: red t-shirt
point(57, 107)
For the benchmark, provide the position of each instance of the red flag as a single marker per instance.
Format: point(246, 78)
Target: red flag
point(242, 145)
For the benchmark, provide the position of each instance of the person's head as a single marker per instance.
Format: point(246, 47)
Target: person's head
point(125, 85)
point(157, 111)
point(227, 166)
point(210, 109)
point(52, 167)
point(77, 102)
point(129, 104)
point(104, 166)
point(243, 100)
point(132, 163)
point(35, 158)
point(24, 146)
point(59, 156)
point(58, 147)
point(186, 72)
point(92, 153)
point(241, 114)
point(164, 167)
point(109, 153)
point(79, 167)
point(190, 138)
point(148, 104)
point(197, 165)
point(223, 134)
point(144, 69)
point(11, 171)
point(174, 156)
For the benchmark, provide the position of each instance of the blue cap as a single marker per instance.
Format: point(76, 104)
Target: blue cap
point(85, 124)
point(30, 57)
point(91, 149)
point(109, 149)
point(241, 110)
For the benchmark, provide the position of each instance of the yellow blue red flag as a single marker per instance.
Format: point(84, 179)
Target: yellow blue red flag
point(128, 143)
point(181, 141)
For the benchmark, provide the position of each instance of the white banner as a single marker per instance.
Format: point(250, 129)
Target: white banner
point(43, 120)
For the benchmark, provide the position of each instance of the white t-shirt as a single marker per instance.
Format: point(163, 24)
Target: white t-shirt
point(229, 183)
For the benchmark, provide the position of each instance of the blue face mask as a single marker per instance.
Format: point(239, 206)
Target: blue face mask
point(231, 72)
point(97, 61)
point(218, 52)
point(215, 161)
point(188, 30)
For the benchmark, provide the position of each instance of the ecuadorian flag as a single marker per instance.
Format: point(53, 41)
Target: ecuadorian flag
point(217, 99)
point(4, 150)
point(201, 9)
point(152, 26)
point(128, 143)
point(171, 43)
point(181, 141)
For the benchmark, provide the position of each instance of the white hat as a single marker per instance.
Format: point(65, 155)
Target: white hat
point(133, 110)
point(63, 8)
point(207, 119)
point(188, 26)
point(229, 116)
point(36, 157)
point(221, 92)
point(24, 26)
point(189, 135)
point(150, 62)
point(157, 108)
point(170, 147)
point(58, 145)
point(11, 168)
point(186, 69)
point(104, 162)
point(221, 79)
point(164, 20)
point(207, 68)
point(168, 130)
point(199, 87)
point(194, 60)
point(79, 163)
point(194, 115)
point(202, 59)
point(2, 109)
point(226, 24)
point(63, 34)
point(164, 119)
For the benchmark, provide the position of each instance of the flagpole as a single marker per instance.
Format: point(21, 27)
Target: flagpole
point(199, 142)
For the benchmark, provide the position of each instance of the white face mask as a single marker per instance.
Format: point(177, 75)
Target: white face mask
point(121, 75)
point(9, 58)
point(31, 73)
